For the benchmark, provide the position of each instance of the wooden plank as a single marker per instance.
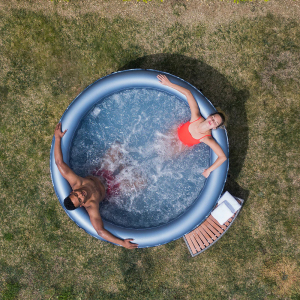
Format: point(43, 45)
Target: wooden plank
point(216, 222)
point(195, 242)
point(205, 234)
point(201, 236)
point(230, 219)
point(216, 226)
point(192, 247)
point(216, 232)
point(211, 234)
point(197, 238)
point(191, 244)
point(222, 226)
point(238, 200)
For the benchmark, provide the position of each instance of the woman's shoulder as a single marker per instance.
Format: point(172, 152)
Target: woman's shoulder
point(196, 118)
point(207, 135)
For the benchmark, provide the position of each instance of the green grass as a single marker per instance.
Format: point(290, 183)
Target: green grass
point(249, 67)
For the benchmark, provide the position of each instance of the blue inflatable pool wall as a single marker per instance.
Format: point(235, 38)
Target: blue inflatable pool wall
point(95, 93)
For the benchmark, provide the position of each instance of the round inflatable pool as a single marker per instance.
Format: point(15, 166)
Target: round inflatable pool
point(177, 198)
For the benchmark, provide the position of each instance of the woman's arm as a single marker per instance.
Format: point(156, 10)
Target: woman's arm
point(218, 150)
point(195, 112)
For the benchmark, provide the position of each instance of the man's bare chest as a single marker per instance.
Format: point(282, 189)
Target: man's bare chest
point(94, 188)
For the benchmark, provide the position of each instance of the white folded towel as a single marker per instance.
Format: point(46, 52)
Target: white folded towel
point(226, 208)
point(232, 204)
point(222, 213)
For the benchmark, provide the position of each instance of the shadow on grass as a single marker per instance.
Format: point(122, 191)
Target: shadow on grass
point(221, 93)
point(10, 288)
point(140, 273)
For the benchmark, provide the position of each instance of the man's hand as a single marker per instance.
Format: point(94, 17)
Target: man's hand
point(57, 133)
point(127, 244)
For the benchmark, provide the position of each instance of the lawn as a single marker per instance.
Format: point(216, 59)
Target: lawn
point(244, 57)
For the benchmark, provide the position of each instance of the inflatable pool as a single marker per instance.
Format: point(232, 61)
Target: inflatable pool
point(140, 81)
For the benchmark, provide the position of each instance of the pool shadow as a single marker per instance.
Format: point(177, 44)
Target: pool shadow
point(221, 93)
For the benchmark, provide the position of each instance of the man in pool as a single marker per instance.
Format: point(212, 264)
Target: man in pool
point(86, 192)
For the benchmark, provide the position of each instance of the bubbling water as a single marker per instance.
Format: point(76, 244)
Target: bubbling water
point(132, 134)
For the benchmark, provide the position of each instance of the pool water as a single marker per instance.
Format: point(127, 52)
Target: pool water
point(155, 183)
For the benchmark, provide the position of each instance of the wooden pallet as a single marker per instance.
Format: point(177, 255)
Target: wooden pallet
point(207, 233)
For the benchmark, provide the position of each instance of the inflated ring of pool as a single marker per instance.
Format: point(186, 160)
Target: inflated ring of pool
point(95, 93)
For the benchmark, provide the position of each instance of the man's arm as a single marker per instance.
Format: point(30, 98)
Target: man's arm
point(63, 168)
point(97, 223)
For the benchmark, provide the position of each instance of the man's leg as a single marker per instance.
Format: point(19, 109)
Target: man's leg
point(113, 157)
point(135, 181)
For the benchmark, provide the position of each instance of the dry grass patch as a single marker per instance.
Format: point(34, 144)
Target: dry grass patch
point(286, 275)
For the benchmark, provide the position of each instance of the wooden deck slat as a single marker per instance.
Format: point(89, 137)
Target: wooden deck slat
point(197, 238)
point(201, 236)
point(211, 234)
point(238, 200)
point(229, 220)
point(214, 221)
point(222, 226)
point(216, 226)
point(192, 247)
point(216, 232)
point(191, 243)
point(205, 234)
point(195, 242)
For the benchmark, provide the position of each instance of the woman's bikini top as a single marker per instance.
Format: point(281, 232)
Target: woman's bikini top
point(185, 136)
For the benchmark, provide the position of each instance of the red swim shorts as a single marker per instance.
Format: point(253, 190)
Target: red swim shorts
point(112, 188)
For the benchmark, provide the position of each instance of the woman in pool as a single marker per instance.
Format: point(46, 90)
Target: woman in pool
point(198, 129)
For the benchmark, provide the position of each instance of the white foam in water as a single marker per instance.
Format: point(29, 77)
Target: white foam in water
point(95, 112)
point(155, 184)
